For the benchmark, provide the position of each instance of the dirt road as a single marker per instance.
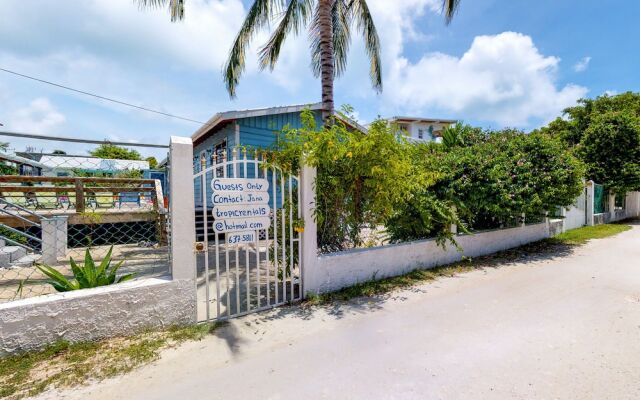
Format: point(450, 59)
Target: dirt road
point(564, 327)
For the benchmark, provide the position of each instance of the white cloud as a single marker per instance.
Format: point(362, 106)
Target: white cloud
point(502, 78)
point(115, 49)
point(610, 92)
point(120, 30)
point(582, 65)
point(39, 117)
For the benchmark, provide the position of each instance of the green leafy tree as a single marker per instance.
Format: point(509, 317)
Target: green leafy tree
point(594, 124)
point(611, 149)
point(153, 163)
point(115, 152)
point(361, 179)
point(330, 26)
point(494, 181)
point(460, 135)
point(578, 118)
point(6, 169)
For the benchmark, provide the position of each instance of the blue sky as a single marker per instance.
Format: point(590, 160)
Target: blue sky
point(500, 63)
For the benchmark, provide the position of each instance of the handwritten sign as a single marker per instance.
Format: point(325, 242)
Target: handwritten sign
point(239, 185)
point(240, 211)
point(241, 224)
point(240, 204)
point(229, 198)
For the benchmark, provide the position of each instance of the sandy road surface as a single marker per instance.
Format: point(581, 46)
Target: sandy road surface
point(565, 327)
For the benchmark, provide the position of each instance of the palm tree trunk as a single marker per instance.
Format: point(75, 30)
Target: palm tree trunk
point(325, 23)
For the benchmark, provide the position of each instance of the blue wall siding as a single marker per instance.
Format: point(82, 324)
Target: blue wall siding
point(255, 132)
point(229, 133)
point(261, 132)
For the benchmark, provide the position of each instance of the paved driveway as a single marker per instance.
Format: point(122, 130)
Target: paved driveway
point(565, 327)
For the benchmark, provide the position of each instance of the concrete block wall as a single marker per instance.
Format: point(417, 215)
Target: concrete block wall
point(90, 314)
point(335, 271)
point(121, 309)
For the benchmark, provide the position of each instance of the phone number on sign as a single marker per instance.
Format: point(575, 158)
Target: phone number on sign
point(241, 238)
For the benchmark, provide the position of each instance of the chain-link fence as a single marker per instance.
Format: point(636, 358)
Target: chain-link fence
point(99, 200)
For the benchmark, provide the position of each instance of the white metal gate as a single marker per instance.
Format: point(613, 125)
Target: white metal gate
point(248, 234)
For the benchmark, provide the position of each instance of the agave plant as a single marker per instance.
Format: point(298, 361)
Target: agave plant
point(87, 275)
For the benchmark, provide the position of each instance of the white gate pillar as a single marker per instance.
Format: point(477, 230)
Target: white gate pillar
point(310, 282)
point(590, 203)
point(54, 239)
point(182, 209)
point(612, 207)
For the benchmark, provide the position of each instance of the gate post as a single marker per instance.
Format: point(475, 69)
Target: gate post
point(590, 200)
point(182, 209)
point(310, 234)
point(612, 207)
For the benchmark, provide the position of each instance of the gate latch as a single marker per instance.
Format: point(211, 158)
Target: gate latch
point(198, 247)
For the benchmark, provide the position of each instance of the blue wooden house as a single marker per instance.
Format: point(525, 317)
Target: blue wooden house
point(257, 128)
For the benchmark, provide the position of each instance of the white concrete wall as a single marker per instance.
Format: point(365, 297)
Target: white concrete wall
point(575, 216)
point(632, 205)
point(338, 270)
point(91, 314)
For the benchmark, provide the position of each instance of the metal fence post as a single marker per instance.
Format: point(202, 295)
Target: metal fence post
point(310, 234)
point(182, 209)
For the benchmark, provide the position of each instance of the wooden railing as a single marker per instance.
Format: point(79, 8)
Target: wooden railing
point(81, 186)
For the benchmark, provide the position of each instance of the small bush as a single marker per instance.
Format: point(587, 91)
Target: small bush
point(86, 275)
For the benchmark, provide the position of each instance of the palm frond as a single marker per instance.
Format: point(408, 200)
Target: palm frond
point(258, 16)
point(449, 9)
point(296, 17)
point(342, 17)
point(176, 7)
point(365, 24)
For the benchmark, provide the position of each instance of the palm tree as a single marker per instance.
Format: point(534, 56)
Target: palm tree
point(330, 32)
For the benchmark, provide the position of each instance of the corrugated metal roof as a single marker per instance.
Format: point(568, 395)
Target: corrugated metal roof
point(259, 112)
point(420, 119)
point(90, 163)
point(20, 160)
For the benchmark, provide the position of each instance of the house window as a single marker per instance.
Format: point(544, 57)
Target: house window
point(420, 134)
point(431, 135)
point(403, 128)
point(202, 161)
point(219, 155)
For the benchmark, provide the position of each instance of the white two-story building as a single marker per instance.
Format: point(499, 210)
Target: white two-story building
point(421, 129)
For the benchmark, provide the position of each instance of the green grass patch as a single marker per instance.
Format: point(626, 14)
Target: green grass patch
point(66, 365)
point(584, 234)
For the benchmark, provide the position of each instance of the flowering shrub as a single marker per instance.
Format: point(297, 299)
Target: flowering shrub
point(476, 179)
point(362, 178)
point(494, 180)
